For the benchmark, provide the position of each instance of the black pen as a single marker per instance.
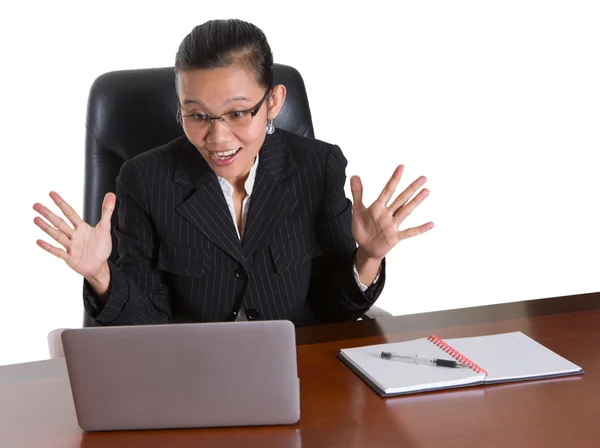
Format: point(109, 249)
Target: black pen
point(416, 359)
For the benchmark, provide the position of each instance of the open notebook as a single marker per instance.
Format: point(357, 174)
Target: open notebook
point(492, 359)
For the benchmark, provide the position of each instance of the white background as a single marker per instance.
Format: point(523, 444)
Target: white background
point(498, 103)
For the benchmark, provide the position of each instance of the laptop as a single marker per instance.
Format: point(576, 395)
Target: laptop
point(183, 375)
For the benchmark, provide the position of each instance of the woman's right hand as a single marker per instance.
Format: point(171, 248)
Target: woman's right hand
point(86, 248)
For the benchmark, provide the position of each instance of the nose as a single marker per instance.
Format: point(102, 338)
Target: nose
point(217, 132)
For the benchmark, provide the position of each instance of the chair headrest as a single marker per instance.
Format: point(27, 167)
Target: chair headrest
point(132, 111)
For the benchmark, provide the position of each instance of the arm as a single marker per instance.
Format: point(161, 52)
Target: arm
point(135, 292)
point(334, 292)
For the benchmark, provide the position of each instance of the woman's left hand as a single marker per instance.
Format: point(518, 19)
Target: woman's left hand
point(375, 228)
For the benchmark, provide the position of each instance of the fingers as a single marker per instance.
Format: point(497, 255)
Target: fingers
point(357, 190)
point(67, 210)
point(390, 187)
point(414, 231)
point(56, 221)
point(407, 194)
point(56, 235)
point(408, 208)
point(53, 250)
point(108, 207)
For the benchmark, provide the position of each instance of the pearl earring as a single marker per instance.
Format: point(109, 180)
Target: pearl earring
point(270, 127)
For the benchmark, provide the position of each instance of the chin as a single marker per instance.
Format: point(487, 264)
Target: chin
point(233, 168)
point(226, 172)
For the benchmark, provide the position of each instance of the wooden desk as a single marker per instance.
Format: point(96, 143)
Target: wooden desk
point(339, 410)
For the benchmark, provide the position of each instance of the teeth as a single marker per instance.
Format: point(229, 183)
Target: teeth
point(226, 153)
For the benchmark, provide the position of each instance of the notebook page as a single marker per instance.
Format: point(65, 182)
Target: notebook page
point(394, 376)
point(511, 356)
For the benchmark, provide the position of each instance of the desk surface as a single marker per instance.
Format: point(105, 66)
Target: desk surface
point(339, 410)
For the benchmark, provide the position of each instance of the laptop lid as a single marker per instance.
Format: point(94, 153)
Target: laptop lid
point(183, 375)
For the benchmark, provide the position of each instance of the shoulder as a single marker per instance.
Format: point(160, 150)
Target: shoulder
point(310, 150)
point(296, 143)
point(166, 153)
point(160, 160)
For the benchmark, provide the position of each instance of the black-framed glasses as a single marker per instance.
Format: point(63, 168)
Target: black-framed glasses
point(233, 120)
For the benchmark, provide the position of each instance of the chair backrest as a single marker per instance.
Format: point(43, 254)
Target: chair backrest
point(132, 111)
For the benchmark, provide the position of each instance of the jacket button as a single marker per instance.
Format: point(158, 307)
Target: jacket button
point(241, 274)
point(252, 314)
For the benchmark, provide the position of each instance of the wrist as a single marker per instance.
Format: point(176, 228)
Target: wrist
point(362, 258)
point(100, 282)
point(367, 267)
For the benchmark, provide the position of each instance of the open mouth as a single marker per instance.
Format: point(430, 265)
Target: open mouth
point(225, 157)
point(226, 154)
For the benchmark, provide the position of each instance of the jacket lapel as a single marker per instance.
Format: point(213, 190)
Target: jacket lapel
point(206, 209)
point(270, 201)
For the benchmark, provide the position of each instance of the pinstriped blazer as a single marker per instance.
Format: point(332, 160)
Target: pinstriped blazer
point(181, 260)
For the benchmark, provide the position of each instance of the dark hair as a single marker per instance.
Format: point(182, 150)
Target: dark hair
point(220, 43)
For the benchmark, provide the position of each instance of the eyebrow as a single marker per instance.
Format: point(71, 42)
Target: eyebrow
point(229, 101)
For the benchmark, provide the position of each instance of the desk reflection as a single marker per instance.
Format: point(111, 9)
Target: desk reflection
point(271, 436)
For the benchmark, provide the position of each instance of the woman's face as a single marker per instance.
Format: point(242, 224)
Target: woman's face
point(229, 147)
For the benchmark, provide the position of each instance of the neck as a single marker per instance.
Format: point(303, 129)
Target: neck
point(239, 183)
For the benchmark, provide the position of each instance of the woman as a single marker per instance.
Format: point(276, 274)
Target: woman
point(234, 220)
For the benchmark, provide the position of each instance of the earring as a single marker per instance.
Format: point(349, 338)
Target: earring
point(270, 127)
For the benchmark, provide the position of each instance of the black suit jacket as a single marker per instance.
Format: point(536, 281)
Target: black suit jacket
point(180, 259)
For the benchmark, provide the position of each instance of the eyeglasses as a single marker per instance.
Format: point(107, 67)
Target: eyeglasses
point(233, 120)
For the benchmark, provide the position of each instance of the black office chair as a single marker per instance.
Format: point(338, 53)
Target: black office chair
point(132, 111)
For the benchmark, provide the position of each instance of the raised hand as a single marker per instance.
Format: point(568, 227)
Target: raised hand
point(375, 228)
point(84, 248)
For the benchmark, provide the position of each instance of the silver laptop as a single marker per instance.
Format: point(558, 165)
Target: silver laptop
point(183, 375)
